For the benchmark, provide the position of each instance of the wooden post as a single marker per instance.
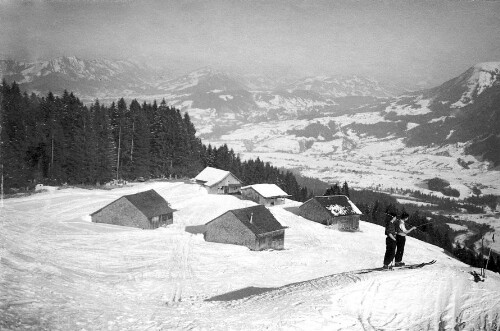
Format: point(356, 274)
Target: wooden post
point(482, 256)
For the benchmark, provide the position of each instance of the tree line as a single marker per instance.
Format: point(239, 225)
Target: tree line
point(472, 204)
point(57, 139)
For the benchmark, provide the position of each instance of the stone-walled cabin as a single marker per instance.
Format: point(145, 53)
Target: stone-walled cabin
point(144, 210)
point(330, 210)
point(264, 194)
point(218, 181)
point(254, 227)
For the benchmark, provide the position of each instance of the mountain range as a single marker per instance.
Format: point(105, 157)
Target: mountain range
point(251, 96)
point(344, 111)
point(87, 78)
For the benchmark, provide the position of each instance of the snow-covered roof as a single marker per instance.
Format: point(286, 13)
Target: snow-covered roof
point(267, 190)
point(211, 176)
point(339, 205)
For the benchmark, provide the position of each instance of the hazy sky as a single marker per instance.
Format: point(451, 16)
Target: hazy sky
point(419, 41)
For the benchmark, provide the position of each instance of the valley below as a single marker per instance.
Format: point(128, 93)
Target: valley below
point(363, 161)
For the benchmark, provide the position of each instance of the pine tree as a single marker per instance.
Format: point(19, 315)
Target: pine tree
point(120, 135)
point(105, 155)
point(345, 189)
point(14, 137)
point(140, 157)
point(333, 190)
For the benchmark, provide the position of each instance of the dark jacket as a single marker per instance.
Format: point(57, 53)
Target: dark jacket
point(390, 228)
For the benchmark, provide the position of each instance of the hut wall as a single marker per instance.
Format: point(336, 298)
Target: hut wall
point(121, 212)
point(314, 211)
point(273, 240)
point(275, 201)
point(161, 220)
point(348, 223)
point(167, 219)
point(251, 194)
point(232, 183)
point(227, 229)
point(228, 185)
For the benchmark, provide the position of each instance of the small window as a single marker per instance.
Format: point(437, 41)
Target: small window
point(155, 219)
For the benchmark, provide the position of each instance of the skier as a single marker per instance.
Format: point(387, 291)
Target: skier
point(401, 233)
point(390, 240)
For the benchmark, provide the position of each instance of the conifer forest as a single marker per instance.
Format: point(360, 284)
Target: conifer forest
point(59, 140)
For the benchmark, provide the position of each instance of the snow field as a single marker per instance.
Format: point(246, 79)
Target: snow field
point(61, 272)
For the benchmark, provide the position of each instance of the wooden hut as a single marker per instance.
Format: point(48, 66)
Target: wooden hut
point(332, 209)
point(254, 227)
point(264, 194)
point(144, 210)
point(218, 181)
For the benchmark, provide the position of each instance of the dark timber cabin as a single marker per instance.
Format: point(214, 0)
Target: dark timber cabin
point(330, 210)
point(144, 210)
point(254, 227)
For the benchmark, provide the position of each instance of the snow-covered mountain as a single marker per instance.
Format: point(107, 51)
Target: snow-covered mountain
point(60, 271)
point(213, 96)
point(464, 110)
point(89, 79)
point(464, 89)
point(219, 100)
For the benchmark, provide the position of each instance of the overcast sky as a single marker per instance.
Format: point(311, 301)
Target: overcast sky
point(419, 41)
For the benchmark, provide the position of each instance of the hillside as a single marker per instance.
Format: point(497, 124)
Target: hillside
point(60, 271)
point(451, 131)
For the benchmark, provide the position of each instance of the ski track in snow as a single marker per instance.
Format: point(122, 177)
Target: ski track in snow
point(58, 271)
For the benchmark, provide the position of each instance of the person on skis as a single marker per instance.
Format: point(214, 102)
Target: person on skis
point(401, 233)
point(390, 240)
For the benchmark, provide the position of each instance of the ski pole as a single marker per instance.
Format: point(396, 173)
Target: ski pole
point(489, 254)
point(423, 224)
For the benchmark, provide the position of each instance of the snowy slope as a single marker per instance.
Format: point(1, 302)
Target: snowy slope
point(59, 271)
point(481, 77)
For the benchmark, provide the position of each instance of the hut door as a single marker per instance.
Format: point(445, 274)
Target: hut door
point(155, 222)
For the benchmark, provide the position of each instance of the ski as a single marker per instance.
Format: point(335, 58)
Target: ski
point(415, 266)
point(408, 266)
